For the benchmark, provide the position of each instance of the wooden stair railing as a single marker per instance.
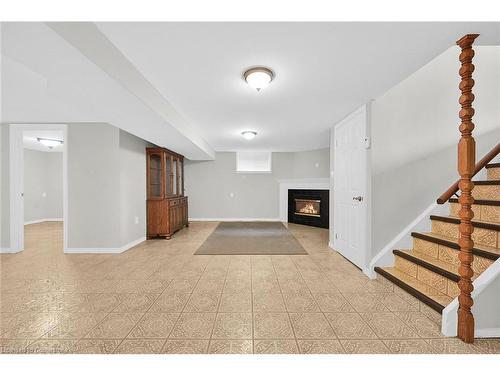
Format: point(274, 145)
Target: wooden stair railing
point(480, 165)
point(466, 165)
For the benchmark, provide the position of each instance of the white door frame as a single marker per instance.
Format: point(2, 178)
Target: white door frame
point(16, 181)
point(365, 111)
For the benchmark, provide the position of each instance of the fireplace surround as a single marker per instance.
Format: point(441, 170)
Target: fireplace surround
point(308, 207)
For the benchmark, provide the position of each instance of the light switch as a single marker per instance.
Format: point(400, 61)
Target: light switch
point(44, 194)
point(231, 195)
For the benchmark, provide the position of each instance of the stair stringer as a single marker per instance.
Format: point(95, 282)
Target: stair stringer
point(486, 306)
point(403, 240)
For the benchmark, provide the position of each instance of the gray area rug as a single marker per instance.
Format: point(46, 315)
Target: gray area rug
point(251, 238)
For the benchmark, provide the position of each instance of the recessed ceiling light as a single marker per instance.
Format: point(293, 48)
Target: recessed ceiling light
point(50, 143)
point(249, 134)
point(258, 77)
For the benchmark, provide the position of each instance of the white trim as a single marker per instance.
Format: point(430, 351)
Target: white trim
point(8, 250)
point(16, 175)
point(403, 239)
point(449, 314)
point(105, 250)
point(233, 219)
point(487, 332)
point(42, 220)
point(304, 184)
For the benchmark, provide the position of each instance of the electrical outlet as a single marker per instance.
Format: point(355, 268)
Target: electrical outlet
point(231, 195)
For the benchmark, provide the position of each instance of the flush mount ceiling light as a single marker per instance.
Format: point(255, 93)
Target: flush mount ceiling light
point(50, 143)
point(248, 135)
point(258, 77)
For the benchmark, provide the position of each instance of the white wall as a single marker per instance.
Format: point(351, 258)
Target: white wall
point(43, 196)
point(215, 190)
point(414, 137)
point(5, 188)
point(132, 187)
point(106, 188)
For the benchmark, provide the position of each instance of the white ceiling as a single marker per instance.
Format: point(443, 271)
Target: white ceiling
point(30, 139)
point(323, 72)
point(179, 85)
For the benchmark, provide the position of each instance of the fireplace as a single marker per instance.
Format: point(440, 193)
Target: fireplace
point(308, 207)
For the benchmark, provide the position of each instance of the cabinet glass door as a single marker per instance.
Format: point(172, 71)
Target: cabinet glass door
point(180, 188)
point(169, 171)
point(155, 176)
point(174, 176)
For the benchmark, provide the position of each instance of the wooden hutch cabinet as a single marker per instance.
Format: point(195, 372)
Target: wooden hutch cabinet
point(167, 207)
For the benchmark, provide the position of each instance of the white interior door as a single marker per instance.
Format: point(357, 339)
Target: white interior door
point(351, 188)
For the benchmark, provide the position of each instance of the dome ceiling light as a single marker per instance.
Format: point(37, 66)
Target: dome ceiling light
point(248, 135)
point(259, 77)
point(50, 143)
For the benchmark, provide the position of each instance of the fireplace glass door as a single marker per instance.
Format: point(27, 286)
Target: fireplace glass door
point(308, 207)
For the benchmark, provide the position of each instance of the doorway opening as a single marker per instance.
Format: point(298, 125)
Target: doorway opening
point(38, 186)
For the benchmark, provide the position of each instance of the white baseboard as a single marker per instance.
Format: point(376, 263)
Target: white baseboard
point(41, 221)
point(8, 250)
point(104, 250)
point(233, 219)
point(487, 332)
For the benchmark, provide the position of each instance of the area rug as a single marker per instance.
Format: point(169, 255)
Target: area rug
point(251, 238)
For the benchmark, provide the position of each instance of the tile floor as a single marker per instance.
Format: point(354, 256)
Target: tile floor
point(159, 298)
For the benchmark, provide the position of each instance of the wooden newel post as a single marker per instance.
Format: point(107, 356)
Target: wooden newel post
point(466, 164)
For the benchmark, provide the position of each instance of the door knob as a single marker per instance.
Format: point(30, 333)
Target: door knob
point(359, 199)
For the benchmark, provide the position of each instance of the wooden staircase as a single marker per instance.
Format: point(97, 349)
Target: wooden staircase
point(429, 271)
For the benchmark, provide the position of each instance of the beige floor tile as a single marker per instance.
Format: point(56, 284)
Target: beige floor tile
point(193, 326)
point(275, 347)
point(489, 346)
point(292, 286)
point(320, 347)
point(54, 298)
point(136, 302)
point(138, 346)
point(267, 302)
point(154, 325)
point(94, 346)
point(185, 347)
point(266, 286)
point(453, 346)
point(33, 326)
point(240, 302)
point(364, 347)
point(420, 323)
point(75, 326)
point(272, 326)
point(300, 303)
point(350, 326)
point(366, 302)
point(397, 304)
point(311, 326)
point(388, 326)
point(13, 346)
point(115, 325)
point(409, 346)
point(233, 326)
point(170, 303)
point(333, 302)
point(180, 286)
point(230, 347)
point(235, 286)
point(50, 346)
point(209, 286)
point(202, 302)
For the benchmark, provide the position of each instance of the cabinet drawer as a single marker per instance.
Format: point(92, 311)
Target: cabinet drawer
point(173, 202)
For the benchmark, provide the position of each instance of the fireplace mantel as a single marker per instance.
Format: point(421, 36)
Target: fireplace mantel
point(302, 183)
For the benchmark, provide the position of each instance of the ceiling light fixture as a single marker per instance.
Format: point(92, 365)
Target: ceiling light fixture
point(248, 135)
point(258, 77)
point(50, 143)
